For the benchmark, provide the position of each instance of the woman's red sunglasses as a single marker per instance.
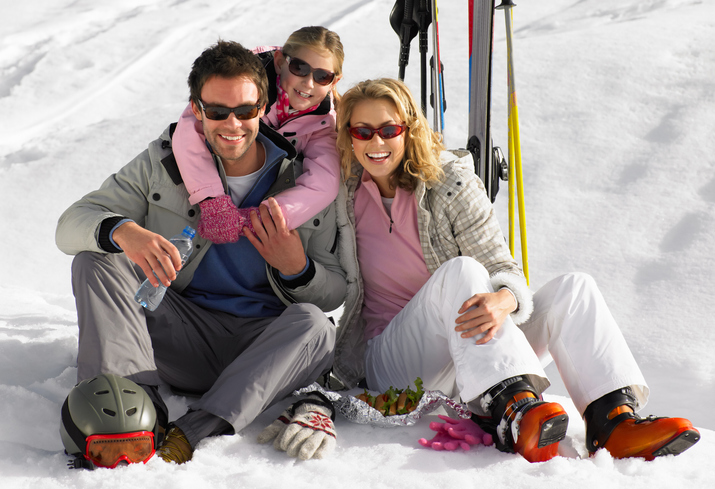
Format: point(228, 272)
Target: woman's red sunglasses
point(388, 131)
point(301, 68)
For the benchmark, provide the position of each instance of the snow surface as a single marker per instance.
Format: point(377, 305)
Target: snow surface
point(615, 101)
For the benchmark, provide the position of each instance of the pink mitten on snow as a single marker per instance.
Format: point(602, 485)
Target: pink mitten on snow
point(442, 441)
point(221, 221)
point(454, 433)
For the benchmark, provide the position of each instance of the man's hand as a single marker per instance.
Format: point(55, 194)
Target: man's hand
point(277, 244)
point(151, 251)
point(484, 314)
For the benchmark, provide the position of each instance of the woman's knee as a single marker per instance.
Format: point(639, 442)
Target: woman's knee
point(581, 279)
point(580, 284)
point(571, 284)
point(466, 268)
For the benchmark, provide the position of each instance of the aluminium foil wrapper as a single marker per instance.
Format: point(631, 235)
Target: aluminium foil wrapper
point(357, 411)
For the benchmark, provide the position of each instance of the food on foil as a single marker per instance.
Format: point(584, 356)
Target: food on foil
point(394, 401)
point(357, 411)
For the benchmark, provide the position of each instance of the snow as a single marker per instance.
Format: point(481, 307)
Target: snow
point(615, 103)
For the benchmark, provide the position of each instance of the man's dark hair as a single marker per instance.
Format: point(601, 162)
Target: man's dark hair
point(227, 59)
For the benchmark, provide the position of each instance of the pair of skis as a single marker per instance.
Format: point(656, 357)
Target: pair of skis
point(410, 17)
point(489, 162)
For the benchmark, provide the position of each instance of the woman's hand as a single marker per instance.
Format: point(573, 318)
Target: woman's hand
point(484, 314)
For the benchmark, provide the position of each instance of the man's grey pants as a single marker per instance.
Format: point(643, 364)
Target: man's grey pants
point(239, 366)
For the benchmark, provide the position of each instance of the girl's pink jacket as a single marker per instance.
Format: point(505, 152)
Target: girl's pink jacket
point(313, 135)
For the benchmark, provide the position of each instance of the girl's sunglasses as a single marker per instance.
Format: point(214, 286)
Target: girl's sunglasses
point(300, 68)
point(386, 132)
point(242, 112)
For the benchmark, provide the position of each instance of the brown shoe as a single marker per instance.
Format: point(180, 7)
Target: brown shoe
point(522, 422)
point(611, 423)
point(651, 437)
point(176, 448)
point(541, 427)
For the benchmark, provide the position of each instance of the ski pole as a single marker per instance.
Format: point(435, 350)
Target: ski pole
point(424, 19)
point(401, 19)
point(511, 189)
point(438, 104)
point(514, 138)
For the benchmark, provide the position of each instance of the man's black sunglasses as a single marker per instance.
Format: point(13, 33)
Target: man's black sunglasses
point(218, 113)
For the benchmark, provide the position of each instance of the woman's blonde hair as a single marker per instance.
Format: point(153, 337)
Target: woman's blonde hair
point(321, 40)
point(422, 144)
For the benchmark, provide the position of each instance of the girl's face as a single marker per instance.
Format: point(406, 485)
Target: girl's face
point(379, 157)
point(303, 92)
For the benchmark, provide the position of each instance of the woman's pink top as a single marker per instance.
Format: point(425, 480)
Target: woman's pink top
point(389, 283)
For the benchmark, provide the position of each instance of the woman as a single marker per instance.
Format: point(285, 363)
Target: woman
point(436, 294)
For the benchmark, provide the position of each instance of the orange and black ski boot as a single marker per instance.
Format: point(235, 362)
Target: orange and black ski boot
point(611, 423)
point(521, 421)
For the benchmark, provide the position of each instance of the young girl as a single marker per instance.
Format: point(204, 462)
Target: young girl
point(435, 294)
point(301, 77)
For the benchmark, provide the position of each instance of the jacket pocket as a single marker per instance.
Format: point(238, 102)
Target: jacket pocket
point(169, 210)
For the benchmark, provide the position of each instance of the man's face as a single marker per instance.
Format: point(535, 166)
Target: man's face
point(231, 139)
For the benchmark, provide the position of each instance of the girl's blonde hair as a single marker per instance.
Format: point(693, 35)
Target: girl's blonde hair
point(323, 41)
point(422, 145)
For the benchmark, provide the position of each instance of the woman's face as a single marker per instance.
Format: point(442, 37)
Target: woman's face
point(303, 92)
point(379, 157)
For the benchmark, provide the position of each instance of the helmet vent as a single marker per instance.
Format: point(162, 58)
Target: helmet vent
point(131, 411)
point(129, 391)
point(101, 393)
point(109, 412)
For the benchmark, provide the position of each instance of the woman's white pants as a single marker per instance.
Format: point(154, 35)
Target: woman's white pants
point(571, 324)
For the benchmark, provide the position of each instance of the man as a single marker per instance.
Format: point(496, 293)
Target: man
point(239, 326)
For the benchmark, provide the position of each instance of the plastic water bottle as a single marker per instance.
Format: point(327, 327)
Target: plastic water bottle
point(149, 296)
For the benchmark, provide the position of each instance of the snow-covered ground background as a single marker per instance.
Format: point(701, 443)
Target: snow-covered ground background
point(616, 100)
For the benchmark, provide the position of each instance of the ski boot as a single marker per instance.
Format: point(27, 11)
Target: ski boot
point(611, 423)
point(521, 421)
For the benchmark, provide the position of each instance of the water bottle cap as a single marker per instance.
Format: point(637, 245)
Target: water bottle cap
point(189, 231)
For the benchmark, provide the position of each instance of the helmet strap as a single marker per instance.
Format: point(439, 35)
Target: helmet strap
point(72, 430)
point(79, 462)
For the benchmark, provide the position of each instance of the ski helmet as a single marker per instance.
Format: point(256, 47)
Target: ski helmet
point(108, 413)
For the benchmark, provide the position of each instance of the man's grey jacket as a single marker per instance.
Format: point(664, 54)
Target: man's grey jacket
point(149, 190)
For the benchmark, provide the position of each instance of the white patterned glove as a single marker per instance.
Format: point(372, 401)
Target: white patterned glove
point(310, 432)
point(276, 428)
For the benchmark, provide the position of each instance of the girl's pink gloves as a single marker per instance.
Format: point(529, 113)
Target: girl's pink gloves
point(453, 434)
point(222, 222)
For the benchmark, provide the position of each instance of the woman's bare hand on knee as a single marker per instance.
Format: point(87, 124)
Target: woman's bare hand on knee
point(483, 314)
